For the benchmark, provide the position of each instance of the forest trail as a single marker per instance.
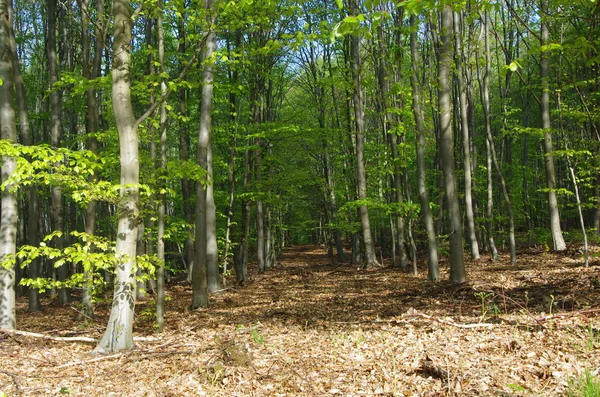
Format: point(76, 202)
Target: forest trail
point(311, 327)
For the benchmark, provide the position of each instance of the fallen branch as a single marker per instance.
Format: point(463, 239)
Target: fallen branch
point(146, 353)
point(414, 313)
point(565, 314)
point(84, 339)
point(93, 360)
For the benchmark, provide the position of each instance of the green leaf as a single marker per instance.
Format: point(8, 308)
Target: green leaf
point(339, 4)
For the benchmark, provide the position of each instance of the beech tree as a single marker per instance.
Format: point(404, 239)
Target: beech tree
point(8, 214)
point(118, 334)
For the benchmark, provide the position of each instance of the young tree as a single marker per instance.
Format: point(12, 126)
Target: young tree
point(464, 126)
point(205, 258)
point(457, 265)
point(417, 108)
point(359, 124)
point(555, 228)
point(56, 209)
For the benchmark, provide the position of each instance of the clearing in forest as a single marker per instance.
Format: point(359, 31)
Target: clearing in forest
point(310, 327)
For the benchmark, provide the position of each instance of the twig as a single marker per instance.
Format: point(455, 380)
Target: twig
point(147, 354)
point(565, 314)
point(82, 314)
point(414, 313)
point(15, 379)
point(93, 360)
point(48, 337)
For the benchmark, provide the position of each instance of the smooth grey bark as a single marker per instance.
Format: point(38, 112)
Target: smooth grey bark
point(464, 124)
point(490, 202)
point(332, 202)
point(160, 243)
point(33, 232)
point(233, 76)
point(200, 273)
point(260, 226)
point(370, 259)
point(212, 252)
point(394, 140)
point(56, 208)
point(485, 97)
point(9, 205)
point(119, 331)
point(457, 265)
point(184, 150)
point(241, 263)
point(555, 229)
point(418, 114)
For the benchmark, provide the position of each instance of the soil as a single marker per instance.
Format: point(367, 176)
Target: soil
point(314, 327)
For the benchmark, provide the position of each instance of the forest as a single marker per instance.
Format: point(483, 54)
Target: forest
point(275, 197)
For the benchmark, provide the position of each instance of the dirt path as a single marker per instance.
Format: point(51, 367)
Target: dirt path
point(310, 327)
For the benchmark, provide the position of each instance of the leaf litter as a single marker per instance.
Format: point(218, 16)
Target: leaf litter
point(313, 327)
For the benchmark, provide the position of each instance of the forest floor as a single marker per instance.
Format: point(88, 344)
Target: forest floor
point(312, 327)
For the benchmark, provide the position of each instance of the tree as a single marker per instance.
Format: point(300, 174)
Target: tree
point(359, 125)
point(417, 108)
point(555, 229)
point(205, 257)
point(8, 214)
point(446, 146)
point(118, 334)
point(464, 126)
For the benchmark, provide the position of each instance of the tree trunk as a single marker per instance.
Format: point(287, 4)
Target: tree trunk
point(160, 244)
point(457, 265)
point(555, 229)
point(56, 210)
point(432, 250)
point(370, 258)
point(485, 96)
point(184, 150)
point(464, 123)
point(8, 214)
point(118, 334)
point(91, 71)
point(33, 232)
point(205, 258)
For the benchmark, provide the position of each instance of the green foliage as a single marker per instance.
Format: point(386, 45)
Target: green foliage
point(90, 254)
point(586, 386)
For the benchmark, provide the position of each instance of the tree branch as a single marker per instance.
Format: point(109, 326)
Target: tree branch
point(181, 76)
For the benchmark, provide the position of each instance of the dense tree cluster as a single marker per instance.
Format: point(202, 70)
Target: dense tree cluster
point(142, 139)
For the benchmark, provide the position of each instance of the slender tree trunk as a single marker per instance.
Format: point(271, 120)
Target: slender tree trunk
point(432, 250)
point(56, 209)
point(205, 258)
point(33, 233)
point(464, 123)
point(184, 152)
point(332, 203)
point(370, 257)
point(457, 265)
point(91, 71)
point(260, 226)
point(8, 214)
point(160, 244)
point(555, 229)
point(119, 331)
point(485, 96)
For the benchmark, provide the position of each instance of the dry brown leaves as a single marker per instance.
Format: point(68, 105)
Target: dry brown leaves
point(314, 328)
